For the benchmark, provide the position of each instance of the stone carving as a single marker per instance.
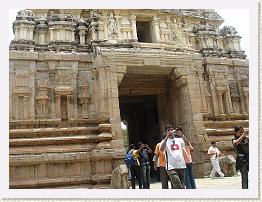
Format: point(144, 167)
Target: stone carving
point(24, 14)
point(112, 26)
point(63, 77)
point(228, 165)
point(42, 99)
point(119, 179)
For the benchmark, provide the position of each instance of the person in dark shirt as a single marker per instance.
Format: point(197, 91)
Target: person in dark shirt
point(241, 144)
point(145, 164)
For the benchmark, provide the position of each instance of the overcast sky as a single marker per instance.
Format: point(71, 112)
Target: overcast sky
point(238, 18)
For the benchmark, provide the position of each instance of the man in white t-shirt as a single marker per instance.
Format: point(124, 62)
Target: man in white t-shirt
point(213, 153)
point(174, 156)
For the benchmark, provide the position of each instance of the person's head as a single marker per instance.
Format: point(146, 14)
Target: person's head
point(238, 131)
point(132, 146)
point(140, 144)
point(169, 127)
point(179, 130)
point(213, 143)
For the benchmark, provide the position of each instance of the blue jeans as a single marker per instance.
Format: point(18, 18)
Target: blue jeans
point(189, 179)
point(145, 175)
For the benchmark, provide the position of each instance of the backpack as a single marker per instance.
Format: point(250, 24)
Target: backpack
point(129, 159)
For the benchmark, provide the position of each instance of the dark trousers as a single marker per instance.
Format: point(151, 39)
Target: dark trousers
point(244, 175)
point(145, 174)
point(177, 178)
point(135, 174)
point(189, 179)
point(164, 178)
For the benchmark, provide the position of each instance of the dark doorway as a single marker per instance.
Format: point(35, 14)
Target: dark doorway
point(141, 118)
point(64, 110)
point(143, 31)
point(140, 113)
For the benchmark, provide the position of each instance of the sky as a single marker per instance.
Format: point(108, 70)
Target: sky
point(238, 18)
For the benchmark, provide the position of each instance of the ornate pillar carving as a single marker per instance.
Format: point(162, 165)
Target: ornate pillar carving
point(70, 106)
point(156, 31)
point(220, 103)
point(26, 104)
point(133, 27)
point(58, 107)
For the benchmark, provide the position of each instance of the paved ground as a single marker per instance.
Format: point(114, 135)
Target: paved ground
point(208, 183)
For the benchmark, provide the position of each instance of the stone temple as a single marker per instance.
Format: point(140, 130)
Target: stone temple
point(75, 75)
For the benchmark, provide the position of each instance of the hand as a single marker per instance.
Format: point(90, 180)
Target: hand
point(155, 167)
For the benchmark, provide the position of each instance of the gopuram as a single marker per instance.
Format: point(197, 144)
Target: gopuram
point(75, 75)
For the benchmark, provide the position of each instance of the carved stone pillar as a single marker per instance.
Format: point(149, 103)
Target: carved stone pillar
point(246, 97)
point(220, 103)
point(100, 30)
point(11, 96)
point(114, 111)
point(32, 90)
point(16, 107)
point(26, 104)
point(82, 35)
point(229, 103)
point(58, 107)
point(70, 106)
point(72, 35)
point(51, 34)
point(156, 34)
point(133, 27)
point(17, 34)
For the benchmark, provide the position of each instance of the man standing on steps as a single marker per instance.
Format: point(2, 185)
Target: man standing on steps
point(174, 156)
point(213, 153)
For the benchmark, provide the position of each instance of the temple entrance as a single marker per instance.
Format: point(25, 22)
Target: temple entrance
point(141, 117)
point(64, 110)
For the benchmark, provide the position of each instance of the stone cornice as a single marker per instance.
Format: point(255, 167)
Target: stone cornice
point(23, 55)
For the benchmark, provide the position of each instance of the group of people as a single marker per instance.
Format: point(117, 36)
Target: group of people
point(173, 160)
point(140, 167)
point(241, 144)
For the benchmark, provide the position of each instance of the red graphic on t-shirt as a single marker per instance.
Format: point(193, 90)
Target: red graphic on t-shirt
point(174, 147)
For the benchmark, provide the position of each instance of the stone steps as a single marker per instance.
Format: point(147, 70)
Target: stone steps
point(51, 132)
point(226, 124)
point(89, 181)
point(39, 149)
point(53, 140)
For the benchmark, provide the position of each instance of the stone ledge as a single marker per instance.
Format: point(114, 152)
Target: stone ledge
point(53, 140)
point(50, 182)
point(50, 132)
point(32, 159)
point(51, 149)
point(226, 124)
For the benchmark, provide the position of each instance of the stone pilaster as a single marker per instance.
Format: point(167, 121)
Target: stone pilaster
point(133, 27)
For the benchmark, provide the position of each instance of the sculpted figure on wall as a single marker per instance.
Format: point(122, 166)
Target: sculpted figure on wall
point(112, 26)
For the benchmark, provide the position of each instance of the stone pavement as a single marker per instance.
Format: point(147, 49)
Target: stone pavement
point(208, 183)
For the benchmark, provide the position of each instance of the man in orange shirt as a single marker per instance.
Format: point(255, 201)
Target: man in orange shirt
point(161, 158)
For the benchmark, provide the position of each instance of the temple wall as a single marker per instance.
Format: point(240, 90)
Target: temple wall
point(66, 68)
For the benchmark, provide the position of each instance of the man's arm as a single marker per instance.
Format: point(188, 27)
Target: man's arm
point(148, 149)
point(155, 162)
point(237, 141)
point(163, 144)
